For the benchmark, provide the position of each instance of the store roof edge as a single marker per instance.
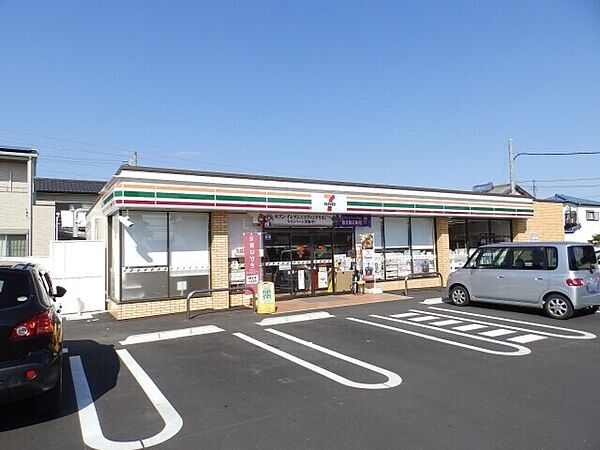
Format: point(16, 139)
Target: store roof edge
point(302, 180)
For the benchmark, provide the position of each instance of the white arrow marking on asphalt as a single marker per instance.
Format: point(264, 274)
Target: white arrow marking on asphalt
point(88, 416)
point(393, 379)
point(521, 351)
point(578, 334)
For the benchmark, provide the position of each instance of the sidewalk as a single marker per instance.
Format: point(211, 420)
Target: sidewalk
point(334, 301)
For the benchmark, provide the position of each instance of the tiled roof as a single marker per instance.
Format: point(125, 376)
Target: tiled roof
point(68, 186)
point(503, 189)
point(574, 200)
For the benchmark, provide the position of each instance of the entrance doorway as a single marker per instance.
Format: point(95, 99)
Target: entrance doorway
point(302, 262)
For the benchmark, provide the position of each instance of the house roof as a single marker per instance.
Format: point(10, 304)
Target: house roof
point(562, 198)
point(68, 186)
point(502, 189)
point(24, 150)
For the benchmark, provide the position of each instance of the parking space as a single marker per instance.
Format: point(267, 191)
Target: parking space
point(395, 374)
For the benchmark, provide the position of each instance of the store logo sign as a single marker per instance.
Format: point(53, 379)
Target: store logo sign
point(329, 202)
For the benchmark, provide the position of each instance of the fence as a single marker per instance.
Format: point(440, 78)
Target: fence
point(78, 266)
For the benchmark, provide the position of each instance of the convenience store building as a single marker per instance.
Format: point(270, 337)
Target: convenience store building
point(168, 232)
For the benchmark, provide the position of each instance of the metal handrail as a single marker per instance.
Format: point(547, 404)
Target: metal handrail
point(416, 276)
point(210, 291)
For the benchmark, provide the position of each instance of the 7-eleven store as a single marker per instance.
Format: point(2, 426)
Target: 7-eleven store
point(187, 232)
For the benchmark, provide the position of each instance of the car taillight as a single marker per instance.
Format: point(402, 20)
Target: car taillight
point(575, 282)
point(36, 326)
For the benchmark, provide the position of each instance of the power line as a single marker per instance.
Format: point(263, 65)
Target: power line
point(559, 180)
point(62, 139)
point(591, 152)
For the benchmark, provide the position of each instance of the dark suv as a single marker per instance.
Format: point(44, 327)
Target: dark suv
point(30, 337)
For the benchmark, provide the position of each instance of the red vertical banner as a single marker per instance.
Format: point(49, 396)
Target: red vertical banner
point(252, 258)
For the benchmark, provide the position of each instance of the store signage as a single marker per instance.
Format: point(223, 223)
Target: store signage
point(351, 221)
point(367, 253)
point(329, 202)
point(252, 259)
point(293, 220)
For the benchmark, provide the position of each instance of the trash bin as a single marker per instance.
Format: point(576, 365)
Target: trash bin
point(265, 298)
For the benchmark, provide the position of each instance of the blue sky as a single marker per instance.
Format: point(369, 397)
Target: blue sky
point(422, 93)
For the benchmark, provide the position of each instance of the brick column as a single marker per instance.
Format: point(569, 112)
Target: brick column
point(519, 230)
point(442, 245)
point(219, 252)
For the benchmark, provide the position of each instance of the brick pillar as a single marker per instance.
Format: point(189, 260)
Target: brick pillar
point(442, 245)
point(219, 252)
point(519, 230)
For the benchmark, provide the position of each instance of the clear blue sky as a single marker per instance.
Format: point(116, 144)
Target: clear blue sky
point(421, 93)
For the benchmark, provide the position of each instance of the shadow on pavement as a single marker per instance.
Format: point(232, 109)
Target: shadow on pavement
point(101, 364)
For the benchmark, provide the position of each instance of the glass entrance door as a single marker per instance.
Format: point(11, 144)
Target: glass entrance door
point(301, 262)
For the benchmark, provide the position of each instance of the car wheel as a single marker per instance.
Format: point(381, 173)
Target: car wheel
point(459, 296)
point(48, 403)
point(558, 307)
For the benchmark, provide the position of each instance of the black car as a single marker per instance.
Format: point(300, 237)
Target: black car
point(31, 337)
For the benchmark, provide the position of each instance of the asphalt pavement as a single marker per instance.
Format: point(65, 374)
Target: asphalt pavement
point(400, 374)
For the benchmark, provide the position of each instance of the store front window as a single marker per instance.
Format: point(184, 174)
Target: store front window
point(164, 255)
point(466, 235)
point(423, 245)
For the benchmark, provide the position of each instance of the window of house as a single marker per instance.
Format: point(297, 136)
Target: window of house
point(592, 215)
point(13, 245)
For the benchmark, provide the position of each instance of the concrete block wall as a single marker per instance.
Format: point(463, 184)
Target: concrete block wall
point(547, 223)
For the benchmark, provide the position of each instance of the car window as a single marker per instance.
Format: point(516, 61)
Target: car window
point(551, 258)
point(45, 295)
point(472, 261)
point(492, 258)
point(582, 257)
point(15, 288)
point(529, 258)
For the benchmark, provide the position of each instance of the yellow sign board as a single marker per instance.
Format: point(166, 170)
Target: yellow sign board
point(265, 297)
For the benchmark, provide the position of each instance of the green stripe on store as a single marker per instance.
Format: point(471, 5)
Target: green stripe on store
point(399, 205)
point(108, 199)
point(429, 207)
point(239, 198)
point(298, 201)
point(185, 196)
point(365, 204)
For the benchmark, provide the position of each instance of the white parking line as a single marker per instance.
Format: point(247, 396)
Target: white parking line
point(444, 323)
point(521, 351)
point(393, 379)
point(170, 334)
point(524, 339)
point(406, 314)
point(432, 301)
point(471, 327)
point(577, 333)
point(270, 321)
point(497, 333)
point(88, 416)
point(423, 318)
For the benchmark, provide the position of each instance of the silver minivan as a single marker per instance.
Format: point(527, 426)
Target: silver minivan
point(560, 277)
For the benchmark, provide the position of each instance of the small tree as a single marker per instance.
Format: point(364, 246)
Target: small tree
point(596, 240)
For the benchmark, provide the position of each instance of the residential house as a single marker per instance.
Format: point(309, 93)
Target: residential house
point(582, 217)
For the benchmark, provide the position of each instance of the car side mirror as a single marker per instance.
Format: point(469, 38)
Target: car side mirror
point(60, 291)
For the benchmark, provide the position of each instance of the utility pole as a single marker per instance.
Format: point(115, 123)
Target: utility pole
point(511, 165)
point(534, 189)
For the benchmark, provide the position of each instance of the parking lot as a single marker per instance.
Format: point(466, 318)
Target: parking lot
point(400, 374)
